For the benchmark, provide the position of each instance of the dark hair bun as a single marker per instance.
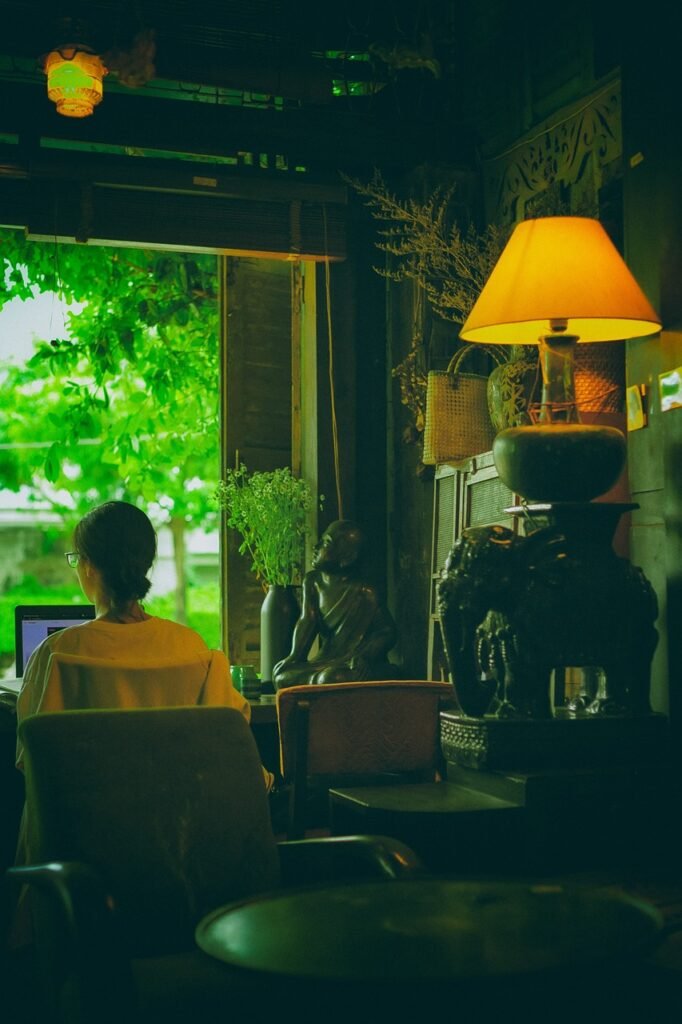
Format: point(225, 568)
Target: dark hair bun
point(120, 541)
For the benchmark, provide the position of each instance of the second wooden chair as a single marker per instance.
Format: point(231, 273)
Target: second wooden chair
point(355, 734)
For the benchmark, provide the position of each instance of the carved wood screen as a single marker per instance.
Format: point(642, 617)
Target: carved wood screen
point(578, 149)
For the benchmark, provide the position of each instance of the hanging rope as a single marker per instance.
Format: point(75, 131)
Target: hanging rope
point(332, 397)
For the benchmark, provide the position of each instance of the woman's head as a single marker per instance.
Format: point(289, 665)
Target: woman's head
point(120, 542)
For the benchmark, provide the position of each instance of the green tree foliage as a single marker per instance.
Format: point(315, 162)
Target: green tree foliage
point(126, 404)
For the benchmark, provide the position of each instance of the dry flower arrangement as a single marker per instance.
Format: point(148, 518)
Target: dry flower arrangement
point(449, 265)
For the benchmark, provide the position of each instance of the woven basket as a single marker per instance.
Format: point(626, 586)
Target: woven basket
point(600, 377)
point(457, 423)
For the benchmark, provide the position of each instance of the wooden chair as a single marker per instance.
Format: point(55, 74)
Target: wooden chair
point(355, 734)
point(73, 682)
point(144, 820)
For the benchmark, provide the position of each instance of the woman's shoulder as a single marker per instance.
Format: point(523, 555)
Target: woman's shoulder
point(176, 630)
point(67, 640)
point(97, 638)
point(170, 624)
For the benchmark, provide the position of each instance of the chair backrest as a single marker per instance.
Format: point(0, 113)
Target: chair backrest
point(355, 733)
point(362, 728)
point(168, 804)
point(74, 683)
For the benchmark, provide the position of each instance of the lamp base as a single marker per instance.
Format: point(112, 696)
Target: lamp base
point(514, 608)
point(559, 461)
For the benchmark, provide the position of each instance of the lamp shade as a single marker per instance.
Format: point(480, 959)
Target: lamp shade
point(560, 272)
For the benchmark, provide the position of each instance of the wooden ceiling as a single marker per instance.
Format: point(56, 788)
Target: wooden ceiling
point(321, 85)
point(248, 44)
point(264, 101)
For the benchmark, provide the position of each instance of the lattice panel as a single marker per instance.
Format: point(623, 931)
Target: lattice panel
point(445, 520)
point(487, 501)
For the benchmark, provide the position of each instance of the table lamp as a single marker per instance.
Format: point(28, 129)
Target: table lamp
point(559, 282)
point(514, 609)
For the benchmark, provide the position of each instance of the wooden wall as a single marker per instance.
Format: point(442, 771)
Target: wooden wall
point(511, 70)
point(652, 109)
point(257, 410)
point(519, 74)
point(521, 70)
point(356, 297)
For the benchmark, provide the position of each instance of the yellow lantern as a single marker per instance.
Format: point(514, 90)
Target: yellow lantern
point(74, 79)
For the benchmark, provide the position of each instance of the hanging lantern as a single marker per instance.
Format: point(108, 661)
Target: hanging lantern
point(74, 79)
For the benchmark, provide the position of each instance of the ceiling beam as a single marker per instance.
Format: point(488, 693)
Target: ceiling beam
point(316, 138)
point(175, 176)
point(70, 211)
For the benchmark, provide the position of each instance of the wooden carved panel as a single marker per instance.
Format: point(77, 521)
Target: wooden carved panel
point(576, 145)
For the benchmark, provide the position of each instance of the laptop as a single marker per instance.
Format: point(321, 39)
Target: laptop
point(34, 622)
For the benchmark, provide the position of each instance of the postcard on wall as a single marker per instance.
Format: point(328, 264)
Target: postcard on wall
point(670, 389)
point(636, 414)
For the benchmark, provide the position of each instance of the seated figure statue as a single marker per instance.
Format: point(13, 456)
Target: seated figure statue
point(340, 608)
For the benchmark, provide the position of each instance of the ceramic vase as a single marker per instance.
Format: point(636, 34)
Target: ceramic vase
point(512, 386)
point(278, 615)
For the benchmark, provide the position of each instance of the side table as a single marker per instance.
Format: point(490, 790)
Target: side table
point(451, 827)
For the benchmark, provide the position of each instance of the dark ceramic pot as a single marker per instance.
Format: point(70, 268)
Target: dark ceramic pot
point(559, 461)
point(278, 615)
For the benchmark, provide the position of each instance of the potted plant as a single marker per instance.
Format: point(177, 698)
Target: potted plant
point(270, 511)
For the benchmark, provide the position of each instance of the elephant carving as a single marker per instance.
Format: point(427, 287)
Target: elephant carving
point(514, 608)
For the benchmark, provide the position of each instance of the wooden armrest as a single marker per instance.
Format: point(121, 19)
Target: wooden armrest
point(83, 965)
point(346, 858)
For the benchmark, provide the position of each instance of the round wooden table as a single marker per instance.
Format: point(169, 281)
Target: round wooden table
point(484, 939)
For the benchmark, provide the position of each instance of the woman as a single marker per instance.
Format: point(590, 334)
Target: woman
point(115, 546)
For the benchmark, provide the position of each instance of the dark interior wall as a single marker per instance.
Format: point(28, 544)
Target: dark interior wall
point(336, 400)
point(535, 65)
point(371, 372)
point(411, 498)
point(518, 64)
point(652, 108)
point(510, 69)
point(410, 488)
point(358, 349)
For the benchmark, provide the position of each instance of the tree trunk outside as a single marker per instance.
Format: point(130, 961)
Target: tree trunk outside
point(177, 528)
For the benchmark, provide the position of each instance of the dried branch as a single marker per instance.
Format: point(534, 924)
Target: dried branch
point(451, 265)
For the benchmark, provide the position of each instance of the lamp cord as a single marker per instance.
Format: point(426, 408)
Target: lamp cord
point(332, 397)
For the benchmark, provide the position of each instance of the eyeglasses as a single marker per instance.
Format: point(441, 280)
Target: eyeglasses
point(73, 558)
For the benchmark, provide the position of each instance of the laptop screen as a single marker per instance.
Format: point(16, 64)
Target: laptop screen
point(34, 622)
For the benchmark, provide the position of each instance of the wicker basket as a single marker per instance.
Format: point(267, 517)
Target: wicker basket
point(600, 377)
point(457, 423)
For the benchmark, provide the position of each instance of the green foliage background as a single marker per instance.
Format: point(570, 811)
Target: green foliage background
point(124, 402)
point(203, 609)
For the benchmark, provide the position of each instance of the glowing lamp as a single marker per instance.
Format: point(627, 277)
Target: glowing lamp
point(560, 598)
point(559, 282)
point(74, 79)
